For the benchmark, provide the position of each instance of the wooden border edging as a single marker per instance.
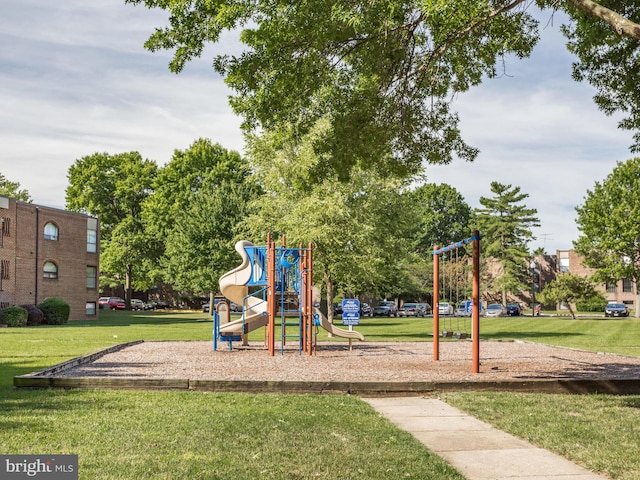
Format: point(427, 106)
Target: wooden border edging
point(376, 389)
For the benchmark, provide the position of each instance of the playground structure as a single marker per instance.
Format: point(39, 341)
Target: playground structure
point(475, 298)
point(273, 283)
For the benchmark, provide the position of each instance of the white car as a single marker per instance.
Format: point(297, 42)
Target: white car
point(445, 308)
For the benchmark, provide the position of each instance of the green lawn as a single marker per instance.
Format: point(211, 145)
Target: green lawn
point(140, 435)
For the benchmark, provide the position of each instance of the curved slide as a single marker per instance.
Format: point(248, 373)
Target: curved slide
point(338, 332)
point(233, 285)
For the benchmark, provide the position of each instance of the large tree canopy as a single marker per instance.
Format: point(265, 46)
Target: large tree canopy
point(608, 220)
point(385, 72)
point(358, 228)
point(114, 188)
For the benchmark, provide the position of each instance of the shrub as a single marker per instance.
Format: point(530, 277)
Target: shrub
point(56, 311)
point(14, 317)
point(593, 305)
point(36, 317)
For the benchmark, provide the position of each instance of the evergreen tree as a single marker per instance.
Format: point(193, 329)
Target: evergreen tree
point(505, 226)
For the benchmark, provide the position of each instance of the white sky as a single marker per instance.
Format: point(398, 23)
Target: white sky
point(75, 80)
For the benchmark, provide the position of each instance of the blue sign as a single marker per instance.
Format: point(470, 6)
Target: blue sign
point(350, 311)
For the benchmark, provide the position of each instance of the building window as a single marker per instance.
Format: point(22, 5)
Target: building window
point(4, 271)
point(5, 230)
point(50, 270)
point(50, 231)
point(92, 235)
point(627, 285)
point(92, 241)
point(564, 265)
point(90, 308)
point(612, 286)
point(92, 277)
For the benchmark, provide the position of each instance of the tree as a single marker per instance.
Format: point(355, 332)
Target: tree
point(358, 229)
point(569, 288)
point(443, 216)
point(12, 189)
point(505, 225)
point(385, 73)
point(113, 188)
point(197, 171)
point(200, 246)
point(609, 241)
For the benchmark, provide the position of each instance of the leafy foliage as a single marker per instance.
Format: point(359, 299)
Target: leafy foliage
point(35, 315)
point(443, 216)
point(14, 317)
point(200, 246)
point(114, 188)
point(570, 288)
point(382, 72)
point(358, 228)
point(199, 203)
point(385, 73)
point(608, 61)
point(56, 311)
point(12, 190)
point(608, 224)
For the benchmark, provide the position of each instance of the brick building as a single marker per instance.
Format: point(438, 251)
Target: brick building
point(47, 252)
point(621, 291)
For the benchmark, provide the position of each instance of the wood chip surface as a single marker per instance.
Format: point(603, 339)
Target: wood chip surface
point(367, 361)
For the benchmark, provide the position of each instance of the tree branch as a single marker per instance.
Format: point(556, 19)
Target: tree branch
point(622, 25)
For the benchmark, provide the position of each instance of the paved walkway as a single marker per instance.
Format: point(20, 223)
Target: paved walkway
point(474, 448)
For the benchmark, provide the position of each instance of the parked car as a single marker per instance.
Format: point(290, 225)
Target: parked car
point(137, 304)
point(385, 309)
point(365, 309)
point(424, 309)
point(464, 309)
point(616, 310)
point(233, 307)
point(494, 310)
point(514, 309)
point(157, 305)
point(445, 308)
point(112, 303)
point(409, 310)
point(337, 308)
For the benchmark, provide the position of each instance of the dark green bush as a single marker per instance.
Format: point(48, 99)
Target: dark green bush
point(14, 317)
point(36, 317)
point(594, 305)
point(56, 311)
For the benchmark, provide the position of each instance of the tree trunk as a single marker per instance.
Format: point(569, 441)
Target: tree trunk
point(127, 286)
point(637, 302)
point(330, 294)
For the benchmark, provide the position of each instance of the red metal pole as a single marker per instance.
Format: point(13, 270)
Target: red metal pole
point(436, 301)
point(271, 295)
point(310, 297)
point(475, 329)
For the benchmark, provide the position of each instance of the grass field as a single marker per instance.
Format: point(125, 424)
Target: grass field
point(195, 435)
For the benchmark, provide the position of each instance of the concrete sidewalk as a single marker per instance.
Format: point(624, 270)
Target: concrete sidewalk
point(474, 448)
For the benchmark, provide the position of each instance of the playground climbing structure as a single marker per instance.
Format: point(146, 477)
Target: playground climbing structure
point(274, 287)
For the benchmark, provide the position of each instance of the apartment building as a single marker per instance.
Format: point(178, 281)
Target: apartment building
point(621, 291)
point(47, 252)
